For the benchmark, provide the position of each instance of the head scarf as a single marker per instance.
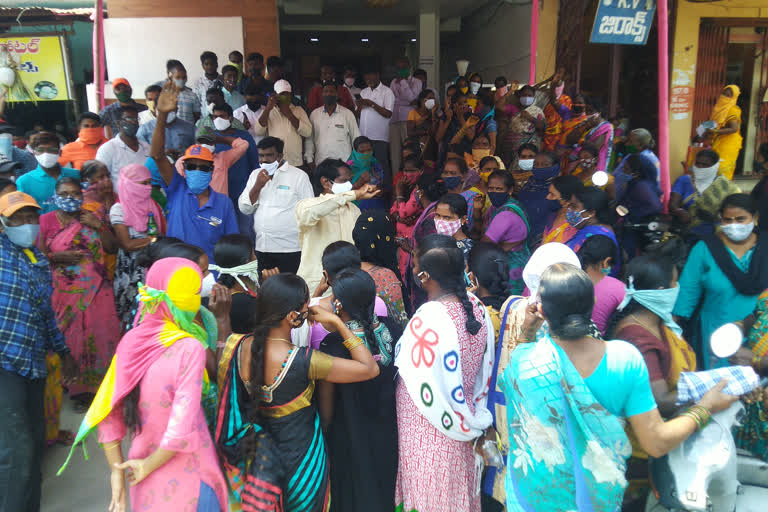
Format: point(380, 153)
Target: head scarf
point(544, 257)
point(724, 105)
point(374, 236)
point(135, 198)
point(168, 305)
point(360, 163)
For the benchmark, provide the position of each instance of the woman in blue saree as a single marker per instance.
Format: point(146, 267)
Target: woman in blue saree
point(571, 453)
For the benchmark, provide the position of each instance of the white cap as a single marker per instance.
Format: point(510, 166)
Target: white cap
point(282, 86)
point(544, 257)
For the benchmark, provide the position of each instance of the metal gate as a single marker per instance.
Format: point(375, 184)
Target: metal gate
point(711, 66)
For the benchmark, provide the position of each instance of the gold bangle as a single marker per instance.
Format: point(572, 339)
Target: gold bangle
point(113, 444)
point(352, 343)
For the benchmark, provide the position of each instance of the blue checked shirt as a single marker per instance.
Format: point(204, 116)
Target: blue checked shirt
point(27, 322)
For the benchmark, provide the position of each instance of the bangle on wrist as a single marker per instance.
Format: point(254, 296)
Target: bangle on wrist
point(699, 414)
point(352, 343)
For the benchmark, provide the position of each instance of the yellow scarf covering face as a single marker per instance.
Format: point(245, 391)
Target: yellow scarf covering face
point(724, 105)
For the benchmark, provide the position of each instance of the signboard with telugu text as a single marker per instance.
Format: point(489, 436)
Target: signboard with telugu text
point(42, 64)
point(623, 21)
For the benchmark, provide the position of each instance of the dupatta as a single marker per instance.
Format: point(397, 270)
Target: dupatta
point(567, 452)
point(428, 358)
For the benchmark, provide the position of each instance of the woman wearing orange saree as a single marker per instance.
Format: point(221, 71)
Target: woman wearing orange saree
point(727, 141)
point(557, 228)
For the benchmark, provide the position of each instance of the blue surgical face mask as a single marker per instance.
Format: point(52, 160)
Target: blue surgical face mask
point(23, 236)
point(198, 181)
point(67, 204)
point(453, 182)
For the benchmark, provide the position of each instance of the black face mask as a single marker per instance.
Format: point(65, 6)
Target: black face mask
point(329, 100)
point(254, 105)
point(577, 110)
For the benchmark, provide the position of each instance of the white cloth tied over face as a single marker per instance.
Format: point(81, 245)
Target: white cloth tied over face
point(249, 270)
point(544, 257)
point(703, 177)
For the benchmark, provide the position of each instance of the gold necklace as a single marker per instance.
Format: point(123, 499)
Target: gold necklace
point(279, 339)
point(652, 330)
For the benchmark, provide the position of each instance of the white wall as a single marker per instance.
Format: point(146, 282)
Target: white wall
point(496, 41)
point(138, 48)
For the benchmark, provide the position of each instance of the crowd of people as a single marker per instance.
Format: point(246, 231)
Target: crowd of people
point(375, 298)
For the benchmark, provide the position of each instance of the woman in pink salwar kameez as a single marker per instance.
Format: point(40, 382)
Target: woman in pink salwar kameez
point(160, 364)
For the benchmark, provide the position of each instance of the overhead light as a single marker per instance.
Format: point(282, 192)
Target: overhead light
point(413, 40)
point(364, 39)
point(314, 39)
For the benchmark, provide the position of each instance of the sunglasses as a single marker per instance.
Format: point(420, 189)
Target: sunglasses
point(198, 167)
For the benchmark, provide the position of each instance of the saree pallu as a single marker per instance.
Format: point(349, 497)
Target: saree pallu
point(517, 257)
point(253, 485)
point(603, 129)
point(52, 397)
point(752, 435)
point(566, 452)
point(554, 122)
point(93, 204)
point(706, 205)
point(562, 232)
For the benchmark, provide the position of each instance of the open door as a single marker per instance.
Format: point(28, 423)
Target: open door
point(711, 67)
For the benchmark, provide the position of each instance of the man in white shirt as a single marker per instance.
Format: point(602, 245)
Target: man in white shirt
point(406, 89)
point(250, 113)
point(334, 129)
point(150, 96)
point(125, 148)
point(271, 195)
point(285, 121)
point(375, 106)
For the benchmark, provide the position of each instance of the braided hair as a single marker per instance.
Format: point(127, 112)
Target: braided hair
point(441, 258)
point(356, 291)
point(279, 296)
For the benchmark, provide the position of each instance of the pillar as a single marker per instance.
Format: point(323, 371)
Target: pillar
point(429, 43)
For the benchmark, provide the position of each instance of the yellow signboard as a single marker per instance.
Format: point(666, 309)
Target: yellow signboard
point(42, 65)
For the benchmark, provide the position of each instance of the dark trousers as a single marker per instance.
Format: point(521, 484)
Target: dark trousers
point(287, 262)
point(22, 441)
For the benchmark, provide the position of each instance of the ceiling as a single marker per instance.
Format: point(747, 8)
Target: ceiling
point(357, 12)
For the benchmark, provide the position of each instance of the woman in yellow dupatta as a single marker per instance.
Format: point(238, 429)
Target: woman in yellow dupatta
point(727, 141)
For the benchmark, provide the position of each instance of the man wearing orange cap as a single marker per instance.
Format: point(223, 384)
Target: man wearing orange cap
point(111, 114)
point(28, 332)
point(196, 213)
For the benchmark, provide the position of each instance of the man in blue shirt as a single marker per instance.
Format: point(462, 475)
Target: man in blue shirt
point(196, 213)
point(28, 331)
point(179, 134)
point(41, 182)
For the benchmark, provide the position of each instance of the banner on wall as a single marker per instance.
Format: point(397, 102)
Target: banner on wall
point(623, 21)
point(42, 64)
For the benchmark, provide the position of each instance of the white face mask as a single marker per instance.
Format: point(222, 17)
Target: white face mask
point(474, 87)
point(340, 188)
point(704, 176)
point(526, 164)
point(221, 124)
point(47, 160)
point(430, 104)
point(738, 232)
point(209, 147)
point(271, 168)
point(179, 82)
point(526, 101)
point(209, 108)
point(208, 282)
point(349, 81)
point(249, 270)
